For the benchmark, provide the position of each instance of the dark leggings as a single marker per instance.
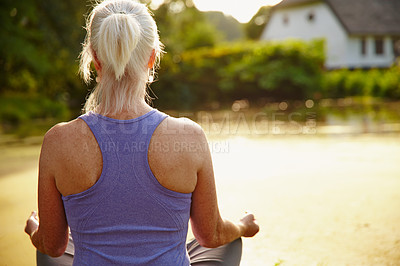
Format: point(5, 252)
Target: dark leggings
point(227, 255)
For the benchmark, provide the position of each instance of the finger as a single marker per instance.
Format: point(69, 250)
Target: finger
point(250, 215)
point(34, 214)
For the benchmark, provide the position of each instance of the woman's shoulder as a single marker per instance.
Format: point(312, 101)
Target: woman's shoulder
point(62, 143)
point(180, 137)
point(64, 133)
point(64, 129)
point(182, 127)
point(176, 153)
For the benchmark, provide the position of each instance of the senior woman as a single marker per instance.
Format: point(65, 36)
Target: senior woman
point(119, 177)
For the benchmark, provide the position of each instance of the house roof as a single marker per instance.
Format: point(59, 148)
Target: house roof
point(361, 17)
point(290, 3)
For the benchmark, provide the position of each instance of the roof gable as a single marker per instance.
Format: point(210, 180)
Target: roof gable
point(361, 17)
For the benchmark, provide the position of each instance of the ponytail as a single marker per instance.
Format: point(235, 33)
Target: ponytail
point(118, 37)
point(121, 35)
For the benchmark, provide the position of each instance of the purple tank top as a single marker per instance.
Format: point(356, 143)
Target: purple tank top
point(127, 217)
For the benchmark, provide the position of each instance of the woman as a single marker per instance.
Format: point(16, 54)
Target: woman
point(124, 177)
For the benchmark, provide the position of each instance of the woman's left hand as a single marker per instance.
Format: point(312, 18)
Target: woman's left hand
point(32, 223)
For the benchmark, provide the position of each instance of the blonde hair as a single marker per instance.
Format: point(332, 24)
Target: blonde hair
point(121, 35)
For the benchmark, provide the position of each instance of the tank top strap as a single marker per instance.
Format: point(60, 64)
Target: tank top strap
point(94, 123)
point(116, 135)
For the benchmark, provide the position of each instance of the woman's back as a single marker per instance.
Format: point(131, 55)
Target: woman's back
point(176, 152)
point(127, 216)
point(127, 181)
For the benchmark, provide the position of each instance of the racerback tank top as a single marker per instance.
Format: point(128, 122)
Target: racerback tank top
point(127, 217)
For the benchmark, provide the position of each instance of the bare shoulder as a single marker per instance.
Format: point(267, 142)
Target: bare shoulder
point(177, 152)
point(184, 135)
point(65, 131)
point(54, 146)
point(66, 139)
point(182, 128)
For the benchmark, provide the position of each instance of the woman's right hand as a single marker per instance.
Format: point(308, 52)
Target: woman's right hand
point(249, 225)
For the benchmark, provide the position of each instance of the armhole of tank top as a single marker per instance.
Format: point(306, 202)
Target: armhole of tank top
point(100, 179)
point(153, 177)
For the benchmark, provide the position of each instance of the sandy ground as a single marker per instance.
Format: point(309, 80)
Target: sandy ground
point(18, 185)
point(319, 200)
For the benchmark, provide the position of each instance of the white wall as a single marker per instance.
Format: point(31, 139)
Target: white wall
point(325, 25)
point(356, 60)
point(341, 50)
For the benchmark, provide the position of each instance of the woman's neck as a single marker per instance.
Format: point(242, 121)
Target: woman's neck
point(140, 109)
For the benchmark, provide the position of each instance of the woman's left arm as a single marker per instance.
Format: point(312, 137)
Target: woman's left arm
point(50, 235)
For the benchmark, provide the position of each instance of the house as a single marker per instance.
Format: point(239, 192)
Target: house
point(357, 33)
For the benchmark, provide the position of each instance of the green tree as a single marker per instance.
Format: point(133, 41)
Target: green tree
point(183, 27)
point(256, 25)
point(40, 43)
point(228, 27)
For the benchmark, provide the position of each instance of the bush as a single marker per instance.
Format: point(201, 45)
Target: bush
point(390, 83)
point(290, 70)
point(384, 83)
point(17, 110)
point(199, 78)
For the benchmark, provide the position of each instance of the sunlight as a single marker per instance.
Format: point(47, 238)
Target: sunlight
point(243, 11)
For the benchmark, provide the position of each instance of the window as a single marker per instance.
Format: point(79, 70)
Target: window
point(379, 46)
point(396, 46)
point(363, 46)
point(311, 16)
point(285, 19)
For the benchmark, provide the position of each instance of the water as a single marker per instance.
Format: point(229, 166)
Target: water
point(319, 200)
point(322, 181)
point(325, 117)
point(324, 184)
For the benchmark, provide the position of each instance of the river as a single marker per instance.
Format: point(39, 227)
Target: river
point(321, 196)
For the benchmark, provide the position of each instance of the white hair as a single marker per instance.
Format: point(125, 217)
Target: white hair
point(121, 35)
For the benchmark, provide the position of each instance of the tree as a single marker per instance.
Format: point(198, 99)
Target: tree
point(183, 27)
point(228, 26)
point(256, 25)
point(40, 44)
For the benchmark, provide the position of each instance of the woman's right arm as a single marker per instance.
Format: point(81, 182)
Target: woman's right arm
point(208, 227)
point(50, 236)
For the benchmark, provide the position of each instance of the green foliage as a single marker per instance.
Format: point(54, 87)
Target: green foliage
point(229, 29)
point(41, 40)
point(383, 83)
point(40, 43)
point(288, 70)
point(183, 27)
point(200, 78)
point(21, 111)
point(256, 25)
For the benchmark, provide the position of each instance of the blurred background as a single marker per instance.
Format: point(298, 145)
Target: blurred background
point(300, 101)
